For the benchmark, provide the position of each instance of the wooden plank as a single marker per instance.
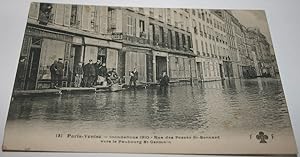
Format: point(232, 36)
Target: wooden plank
point(36, 92)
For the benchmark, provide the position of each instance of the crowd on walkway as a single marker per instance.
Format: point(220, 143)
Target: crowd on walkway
point(90, 75)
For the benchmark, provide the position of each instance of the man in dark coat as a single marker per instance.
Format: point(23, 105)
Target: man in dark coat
point(59, 71)
point(53, 74)
point(133, 78)
point(89, 74)
point(164, 81)
point(103, 71)
point(20, 76)
point(97, 70)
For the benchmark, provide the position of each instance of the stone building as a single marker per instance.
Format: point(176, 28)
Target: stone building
point(151, 40)
point(74, 33)
point(208, 34)
point(187, 44)
point(154, 40)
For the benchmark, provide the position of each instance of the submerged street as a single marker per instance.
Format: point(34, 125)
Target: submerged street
point(231, 104)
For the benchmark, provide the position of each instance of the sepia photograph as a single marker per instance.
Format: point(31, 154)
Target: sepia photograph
point(147, 80)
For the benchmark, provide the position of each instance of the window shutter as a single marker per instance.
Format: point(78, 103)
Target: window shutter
point(59, 14)
point(67, 15)
point(85, 17)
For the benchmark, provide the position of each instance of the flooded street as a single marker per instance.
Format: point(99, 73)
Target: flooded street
point(241, 105)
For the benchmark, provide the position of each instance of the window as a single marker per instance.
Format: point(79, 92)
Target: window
point(175, 19)
point(129, 25)
point(170, 38)
point(169, 15)
point(112, 19)
point(151, 12)
point(162, 35)
point(181, 21)
point(177, 40)
point(160, 14)
point(189, 42)
point(152, 35)
point(45, 14)
point(142, 29)
point(183, 41)
point(142, 26)
point(202, 46)
point(73, 21)
point(197, 46)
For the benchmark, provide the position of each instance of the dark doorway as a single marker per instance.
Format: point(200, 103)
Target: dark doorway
point(200, 71)
point(102, 54)
point(33, 68)
point(221, 71)
point(77, 54)
point(149, 69)
point(161, 66)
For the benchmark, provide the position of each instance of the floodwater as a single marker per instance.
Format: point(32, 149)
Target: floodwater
point(211, 106)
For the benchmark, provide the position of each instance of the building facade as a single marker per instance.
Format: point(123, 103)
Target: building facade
point(187, 44)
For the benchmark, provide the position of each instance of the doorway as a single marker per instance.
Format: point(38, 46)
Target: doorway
point(221, 71)
point(161, 66)
point(33, 68)
point(200, 71)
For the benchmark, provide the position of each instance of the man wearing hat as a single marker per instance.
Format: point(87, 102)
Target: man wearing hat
point(89, 74)
point(59, 71)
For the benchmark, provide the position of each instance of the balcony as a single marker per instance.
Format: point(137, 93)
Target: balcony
point(137, 40)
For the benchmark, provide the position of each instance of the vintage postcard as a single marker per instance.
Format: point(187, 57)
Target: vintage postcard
point(148, 80)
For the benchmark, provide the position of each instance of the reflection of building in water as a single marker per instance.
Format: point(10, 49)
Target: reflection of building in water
point(186, 43)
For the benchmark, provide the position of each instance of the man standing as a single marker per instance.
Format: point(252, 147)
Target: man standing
point(89, 74)
point(164, 81)
point(133, 78)
point(59, 71)
point(97, 70)
point(78, 74)
point(53, 74)
point(20, 74)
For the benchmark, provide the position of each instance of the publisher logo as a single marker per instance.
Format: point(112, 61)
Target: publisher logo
point(262, 137)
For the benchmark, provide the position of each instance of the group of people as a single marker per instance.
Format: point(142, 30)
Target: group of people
point(92, 74)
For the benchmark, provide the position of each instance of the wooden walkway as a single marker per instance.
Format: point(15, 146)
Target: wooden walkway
point(37, 92)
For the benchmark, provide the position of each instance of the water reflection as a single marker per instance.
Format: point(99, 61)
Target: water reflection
point(231, 104)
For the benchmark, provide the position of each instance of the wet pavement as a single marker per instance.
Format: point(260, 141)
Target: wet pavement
point(231, 104)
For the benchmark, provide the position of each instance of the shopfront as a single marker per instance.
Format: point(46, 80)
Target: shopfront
point(39, 53)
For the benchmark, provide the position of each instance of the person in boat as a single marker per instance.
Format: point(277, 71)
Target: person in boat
point(133, 78)
point(113, 77)
point(103, 75)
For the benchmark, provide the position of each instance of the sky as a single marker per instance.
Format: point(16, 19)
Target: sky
point(254, 18)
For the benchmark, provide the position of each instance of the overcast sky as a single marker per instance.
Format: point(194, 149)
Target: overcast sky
point(254, 18)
